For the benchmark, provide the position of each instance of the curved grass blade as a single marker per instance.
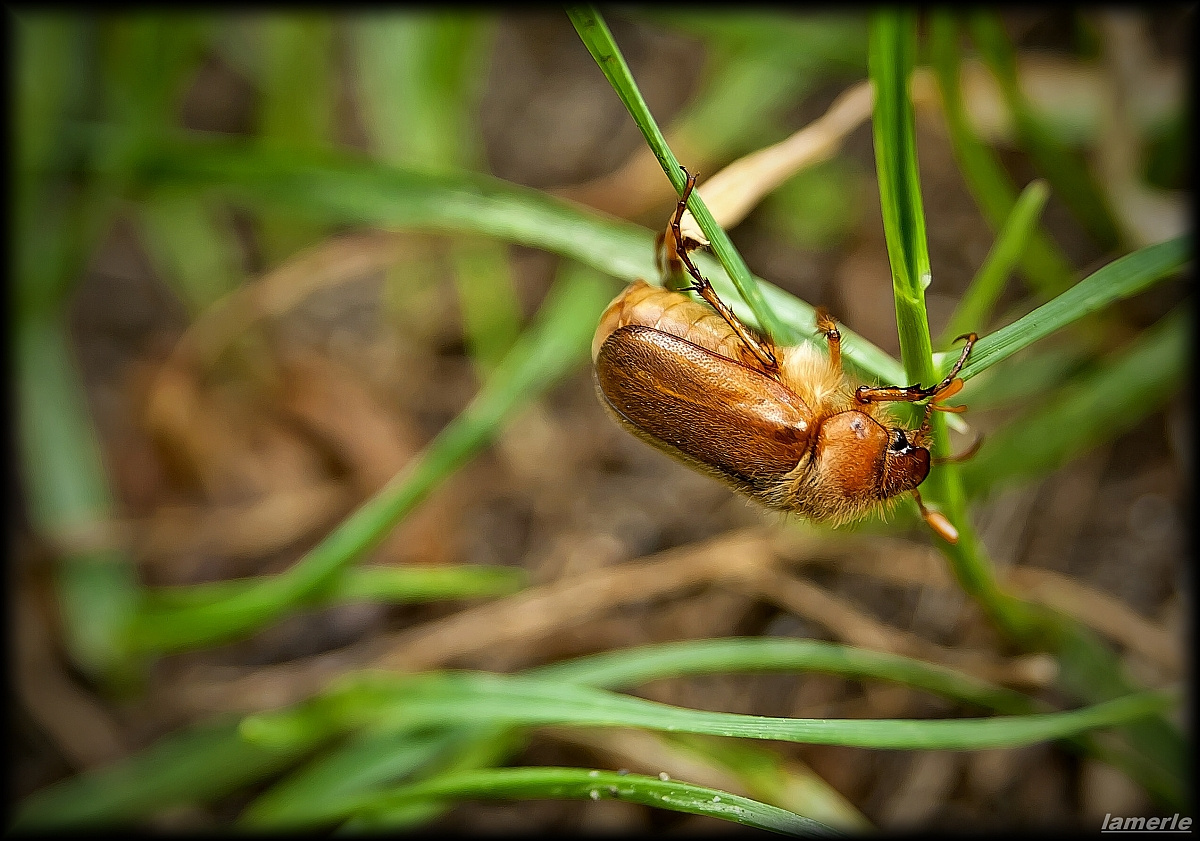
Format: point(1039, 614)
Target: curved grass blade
point(1116, 281)
point(599, 41)
point(1086, 412)
point(481, 698)
point(344, 190)
point(542, 355)
point(316, 794)
point(632, 667)
point(582, 784)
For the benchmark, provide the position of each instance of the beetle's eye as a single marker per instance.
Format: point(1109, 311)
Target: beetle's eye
point(898, 444)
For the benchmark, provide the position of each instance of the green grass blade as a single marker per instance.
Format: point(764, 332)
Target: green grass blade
point(1047, 270)
point(1091, 410)
point(596, 37)
point(314, 791)
point(296, 106)
point(192, 766)
point(325, 791)
point(483, 698)
point(631, 667)
point(1070, 177)
point(892, 48)
point(1116, 281)
point(343, 190)
point(390, 584)
point(68, 498)
point(892, 44)
point(582, 784)
point(420, 78)
point(544, 353)
point(974, 310)
point(193, 247)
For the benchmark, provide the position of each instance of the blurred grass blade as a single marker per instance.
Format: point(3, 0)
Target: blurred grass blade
point(295, 107)
point(1095, 408)
point(47, 86)
point(1118, 280)
point(68, 498)
point(582, 784)
point(558, 342)
point(1070, 177)
point(756, 66)
point(420, 79)
point(1043, 263)
point(343, 191)
point(147, 59)
point(193, 247)
point(441, 698)
point(596, 37)
point(974, 310)
point(388, 584)
point(323, 792)
point(191, 766)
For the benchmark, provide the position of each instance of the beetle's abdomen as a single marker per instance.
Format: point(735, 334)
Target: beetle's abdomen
point(726, 416)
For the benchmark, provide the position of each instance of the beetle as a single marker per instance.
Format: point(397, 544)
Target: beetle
point(781, 425)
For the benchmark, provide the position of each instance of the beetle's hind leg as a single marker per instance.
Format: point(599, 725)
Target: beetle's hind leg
point(762, 350)
point(671, 243)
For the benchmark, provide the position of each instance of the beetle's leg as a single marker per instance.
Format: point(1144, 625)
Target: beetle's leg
point(828, 326)
point(936, 520)
point(913, 393)
point(762, 350)
point(670, 243)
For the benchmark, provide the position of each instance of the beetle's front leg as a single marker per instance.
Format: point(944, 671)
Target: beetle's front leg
point(914, 393)
point(827, 326)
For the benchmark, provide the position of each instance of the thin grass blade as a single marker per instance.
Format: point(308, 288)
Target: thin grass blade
point(584, 784)
point(1093, 409)
point(596, 37)
point(478, 698)
point(1116, 281)
point(974, 310)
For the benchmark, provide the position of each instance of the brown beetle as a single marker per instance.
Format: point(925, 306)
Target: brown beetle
point(779, 424)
